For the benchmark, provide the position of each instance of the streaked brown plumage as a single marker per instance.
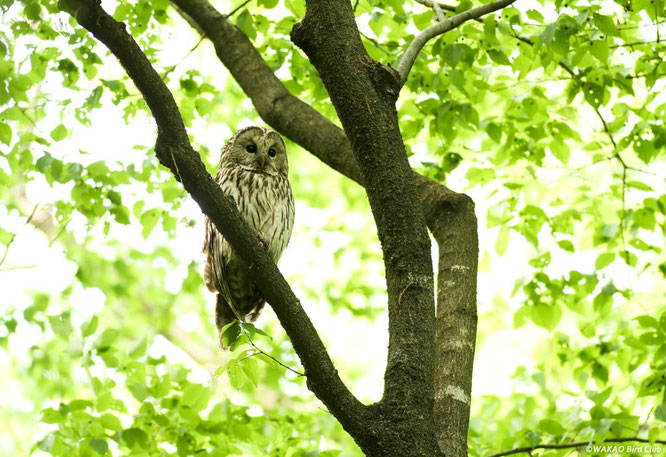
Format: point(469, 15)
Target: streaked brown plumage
point(253, 171)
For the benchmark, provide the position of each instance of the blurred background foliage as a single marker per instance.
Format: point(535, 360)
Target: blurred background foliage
point(550, 114)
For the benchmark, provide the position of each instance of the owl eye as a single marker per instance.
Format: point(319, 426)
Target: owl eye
point(251, 148)
point(271, 152)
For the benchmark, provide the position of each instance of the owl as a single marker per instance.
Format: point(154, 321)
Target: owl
point(253, 171)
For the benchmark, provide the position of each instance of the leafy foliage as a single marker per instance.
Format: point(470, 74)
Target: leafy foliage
point(550, 114)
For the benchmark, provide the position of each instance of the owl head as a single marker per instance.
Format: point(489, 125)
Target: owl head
point(257, 150)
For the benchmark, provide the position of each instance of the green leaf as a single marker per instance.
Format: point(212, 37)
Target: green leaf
point(51, 416)
point(423, 20)
point(5, 236)
point(551, 427)
point(61, 325)
point(600, 372)
point(74, 171)
point(660, 412)
point(651, 338)
point(245, 24)
point(644, 218)
point(98, 445)
point(648, 321)
point(59, 133)
point(547, 35)
point(229, 333)
point(139, 350)
point(640, 186)
point(603, 260)
point(502, 242)
point(192, 394)
point(605, 24)
point(490, 28)
point(236, 376)
point(106, 339)
point(600, 50)
point(135, 437)
point(90, 327)
point(111, 422)
point(47, 443)
point(452, 53)
point(251, 369)
point(498, 57)
point(566, 245)
point(494, 131)
point(148, 220)
point(5, 133)
point(535, 15)
point(76, 405)
point(546, 316)
point(600, 397)
point(138, 390)
point(560, 150)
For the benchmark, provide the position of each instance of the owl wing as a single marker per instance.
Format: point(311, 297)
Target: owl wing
point(227, 275)
point(218, 252)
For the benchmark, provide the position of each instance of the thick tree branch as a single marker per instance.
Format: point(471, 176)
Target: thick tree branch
point(434, 30)
point(529, 449)
point(455, 221)
point(364, 93)
point(175, 152)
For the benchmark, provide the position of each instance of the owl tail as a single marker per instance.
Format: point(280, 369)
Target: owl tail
point(223, 313)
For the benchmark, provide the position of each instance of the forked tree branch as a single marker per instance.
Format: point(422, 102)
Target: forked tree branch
point(436, 7)
point(450, 216)
point(174, 150)
point(407, 61)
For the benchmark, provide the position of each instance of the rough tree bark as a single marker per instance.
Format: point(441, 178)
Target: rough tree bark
point(406, 421)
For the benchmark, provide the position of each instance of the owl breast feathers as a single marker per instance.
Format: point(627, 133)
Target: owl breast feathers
point(253, 171)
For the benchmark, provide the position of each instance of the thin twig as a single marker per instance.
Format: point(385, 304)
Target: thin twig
point(631, 45)
point(261, 351)
point(432, 31)
point(616, 155)
point(657, 8)
point(651, 173)
point(18, 267)
point(607, 130)
point(11, 240)
point(528, 449)
point(173, 67)
point(227, 16)
point(375, 42)
point(60, 232)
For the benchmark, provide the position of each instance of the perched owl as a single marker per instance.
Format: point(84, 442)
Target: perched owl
point(253, 171)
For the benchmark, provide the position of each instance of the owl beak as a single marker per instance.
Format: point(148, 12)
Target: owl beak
point(262, 162)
